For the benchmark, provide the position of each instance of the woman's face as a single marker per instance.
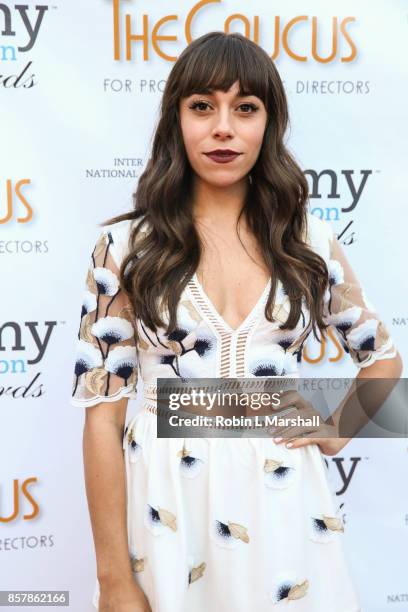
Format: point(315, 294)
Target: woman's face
point(222, 121)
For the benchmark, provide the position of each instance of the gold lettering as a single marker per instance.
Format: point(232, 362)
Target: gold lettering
point(191, 14)
point(7, 519)
point(26, 493)
point(278, 38)
point(256, 29)
point(324, 60)
point(347, 37)
point(330, 334)
point(285, 33)
point(131, 37)
point(242, 18)
point(24, 201)
point(275, 53)
point(340, 350)
point(156, 37)
point(320, 356)
point(9, 203)
point(116, 30)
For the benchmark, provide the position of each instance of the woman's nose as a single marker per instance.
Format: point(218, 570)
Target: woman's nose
point(223, 124)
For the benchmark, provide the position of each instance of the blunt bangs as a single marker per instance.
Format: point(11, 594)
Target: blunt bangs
point(219, 63)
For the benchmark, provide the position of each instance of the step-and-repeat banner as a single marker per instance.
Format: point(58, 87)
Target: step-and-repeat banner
point(80, 85)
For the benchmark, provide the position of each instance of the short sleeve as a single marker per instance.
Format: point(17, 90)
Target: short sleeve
point(353, 317)
point(106, 359)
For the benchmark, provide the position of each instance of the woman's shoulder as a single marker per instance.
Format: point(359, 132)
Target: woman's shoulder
point(118, 235)
point(319, 234)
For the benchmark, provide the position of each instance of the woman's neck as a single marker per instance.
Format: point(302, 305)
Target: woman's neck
point(218, 206)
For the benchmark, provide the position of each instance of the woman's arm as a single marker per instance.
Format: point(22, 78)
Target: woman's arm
point(351, 412)
point(105, 378)
point(383, 369)
point(355, 410)
point(105, 483)
point(364, 336)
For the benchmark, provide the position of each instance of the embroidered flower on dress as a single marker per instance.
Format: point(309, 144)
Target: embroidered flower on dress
point(322, 528)
point(138, 565)
point(176, 348)
point(190, 466)
point(203, 346)
point(362, 337)
point(344, 319)
point(88, 303)
point(286, 337)
point(124, 437)
point(195, 569)
point(288, 588)
point(87, 357)
point(106, 355)
point(336, 272)
point(112, 329)
point(106, 281)
point(122, 362)
point(272, 361)
point(277, 475)
point(135, 449)
point(157, 519)
point(228, 534)
point(336, 277)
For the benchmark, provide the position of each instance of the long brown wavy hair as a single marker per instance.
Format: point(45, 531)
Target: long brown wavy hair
point(160, 262)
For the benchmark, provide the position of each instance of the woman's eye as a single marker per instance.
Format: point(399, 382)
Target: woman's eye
point(196, 105)
point(252, 106)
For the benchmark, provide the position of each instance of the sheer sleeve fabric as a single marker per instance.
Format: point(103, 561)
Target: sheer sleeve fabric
point(355, 320)
point(106, 359)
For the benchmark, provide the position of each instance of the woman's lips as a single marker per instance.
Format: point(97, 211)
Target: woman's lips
point(222, 159)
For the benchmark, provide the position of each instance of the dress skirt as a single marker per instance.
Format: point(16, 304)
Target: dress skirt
point(232, 525)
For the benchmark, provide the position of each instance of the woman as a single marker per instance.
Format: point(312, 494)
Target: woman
point(204, 279)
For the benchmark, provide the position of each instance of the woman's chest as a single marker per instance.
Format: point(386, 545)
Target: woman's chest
point(203, 345)
point(232, 276)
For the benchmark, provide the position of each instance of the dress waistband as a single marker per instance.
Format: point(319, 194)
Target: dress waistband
point(150, 398)
point(150, 391)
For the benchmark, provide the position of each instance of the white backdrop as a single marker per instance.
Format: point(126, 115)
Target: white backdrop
point(76, 127)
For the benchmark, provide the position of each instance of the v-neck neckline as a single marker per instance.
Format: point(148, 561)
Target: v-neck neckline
point(221, 319)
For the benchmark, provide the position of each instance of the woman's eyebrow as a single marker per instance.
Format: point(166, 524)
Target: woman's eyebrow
point(210, 92)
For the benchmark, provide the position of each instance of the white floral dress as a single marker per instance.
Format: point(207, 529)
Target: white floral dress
point(229, 524)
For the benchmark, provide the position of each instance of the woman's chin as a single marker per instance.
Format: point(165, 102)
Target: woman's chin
point(222, 182)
